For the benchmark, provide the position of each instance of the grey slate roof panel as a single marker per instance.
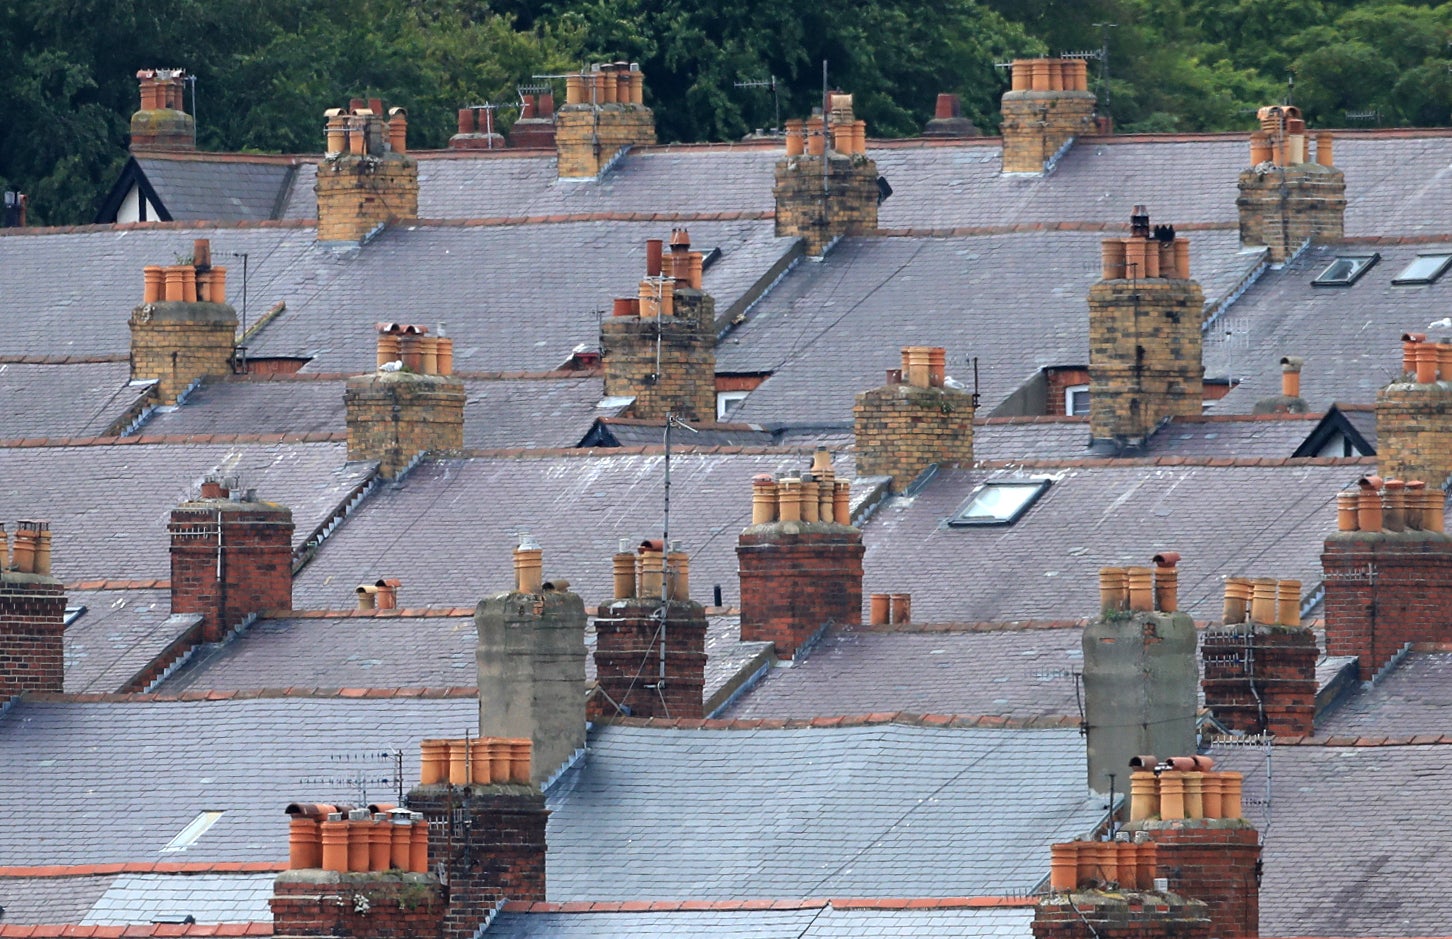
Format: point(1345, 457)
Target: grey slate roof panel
point(47, 900)
point(139, 899)
point(80, 400)
point(120, 633)
point(110, 514)
point(828, 922)
point(1411, 699)
point(255, 407)
point(886, 810)
point(216, 190)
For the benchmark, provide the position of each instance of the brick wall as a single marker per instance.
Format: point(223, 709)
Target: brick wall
point(1094, 914)
point(901, 429)
point(255, 548)
point(490, 842)
point(627, 658)
point(393, 416)
point(1282, 207)
point(1060, 380)
point(1385, 589)
point(358, 193)
point(685, 381)
point(380, 905)
point(1260, 678)
point(1037, 123)
point(1216, 861)
point(177, 343)
point(848, 208)
point(32, 631)
point(1414, 432)
point(588, 137)
point(1144, 356)
point(797, 577)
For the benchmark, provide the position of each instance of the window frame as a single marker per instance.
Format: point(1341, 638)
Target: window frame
point(1403, 280)
point(1039, 486)
point(1368, 262)
point(1069, 392)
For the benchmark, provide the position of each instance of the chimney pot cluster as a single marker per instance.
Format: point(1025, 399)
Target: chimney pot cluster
point(195, 282)
point(609, 83)
point(30, 553)
point(643, 572)
point(415, 348)
point(348, 840)
point(1050, 75)
point(382, 594)
point(1085, 865)
point(889, 609)
point(1391, 505)
point(665, 273)
point(480, 761)
point(1146, 253)
point(1182, 787)
point(1141, 589)
point(1281, 140)
point(361, 129)
point(849, 136)
point(1262, 600)
point(1426, 362)
point(813, 496)
point(922, 367)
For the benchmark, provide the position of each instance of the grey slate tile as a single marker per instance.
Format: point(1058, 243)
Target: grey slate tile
point(139, 899)
point(120, 633)
point(217, 190)
point(80, 400)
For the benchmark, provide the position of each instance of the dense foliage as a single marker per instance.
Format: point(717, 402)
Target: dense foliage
point(267, 68)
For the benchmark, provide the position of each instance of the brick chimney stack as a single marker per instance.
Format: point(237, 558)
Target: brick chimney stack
point(1105, 890)
point(411, 405)
point(162, 123)
point(948, 120)
point(650, 640)
point(184, 329)
point(1387, 571)
point(231, 556)
point(477, 130)
point(366, 177)
point(1048, 105)
point(1414, 414)
point(531, 657)
point(913, 421)
point(32, 614)
point(826, 186)
point(1145, 362)
point(1259, 668)
point(800, 561)
point(1286, 198)
point(535, 126)
point(660, 347)
point(604, 115)
point(1139, 671)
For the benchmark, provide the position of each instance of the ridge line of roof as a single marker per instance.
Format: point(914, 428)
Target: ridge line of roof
point(907, 718)
point(557, 374)
point(144, 867)
point(1215, 462)
point(312, 436)
point(106, 358)
point(248, 694)
point(1018, 228)
point(762, 904)
point(186, 225)
point(182, 930)
point(410, 613)
point(541, 453)
point(504, 221)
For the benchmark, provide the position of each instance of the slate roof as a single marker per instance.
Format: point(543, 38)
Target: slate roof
point(1411, 699)
point(218, 189)
point(34, 900)
point(139, 899)
point(869, 811)
point(108, 505)
point(831, 329)
point(621, 432)
point(79, 400)
point(256, 406)
point(1067, 438)
point(121, 632)
point(1223, 520)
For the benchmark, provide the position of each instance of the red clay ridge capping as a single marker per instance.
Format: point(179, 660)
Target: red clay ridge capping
point(568, 218)
point(198, 225)
point(119, 585)
point(177, 440)
point(861, 720)
point(72, 931)
point(597, 453)
point(693, 906)
point(62, 359)
point(979, 627)
point(250, 694)
point(1241, 462)
point(1023, 228)
point(145, 867)
point(1420, 740)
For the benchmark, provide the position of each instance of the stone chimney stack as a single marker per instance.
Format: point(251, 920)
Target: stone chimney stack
point(532, 664)
point(826, 186)
point(1140, 673)
point(1145, 363)
point(32, 614)
point(660, 347)
point(366, 177)
point(1387, 571)
point(913, 421)
point(162, 123)
point(184, 330)
point(604, 115)
point(650, 640)
point(1048, 105)
point(1414, 414)
point(800, 561)
point(1260, 668)
point(411, 405)
point(231, 556)
point(1287, 199)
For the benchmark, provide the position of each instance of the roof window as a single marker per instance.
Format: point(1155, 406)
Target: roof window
point(1424, 269)
point(1345, 270)
point(195, 829)
point(1000, 502)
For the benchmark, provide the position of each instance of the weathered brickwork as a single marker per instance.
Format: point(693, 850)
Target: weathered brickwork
point(819, 210)
point(1414, 431)
point(176, 342)
point(230, 559)
point(1120, 914)
point(682, 379)
point(392, 905)
point(628, 658)
point(357, 193)
point(1260, 678)
point(1281, 207)
point(797, 577)
point(161, 122)
point(1037, 124)
point(393, 416)
point(1383, 590)
point(587, 137)
point(32, 631)
point(1215, 861)
point(902, 429)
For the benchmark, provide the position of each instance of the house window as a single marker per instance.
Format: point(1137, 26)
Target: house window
point(1076, 400)
point(1424, 269)
point(1345, 270)
point(728, 401)
point(1000, 502)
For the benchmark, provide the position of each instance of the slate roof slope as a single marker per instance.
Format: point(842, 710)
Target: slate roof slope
point(512, 296)
point(255, 406)
point(140, 899)
point(869, 811)
point(47, 311)
point(1067, 438)
point(1018, 302)
point(449, 530)
point(120, 633)
point(97, 757)
point(1350, 337)
point(108, 505)
point(1413, 698)
point(221, 189)
point(44, 900)
point(1354, 839)
point(1223, 520)
point(77, 400)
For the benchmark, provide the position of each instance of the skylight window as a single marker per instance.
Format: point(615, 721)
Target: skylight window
point(195, 829)
point(1345, 270)
point(1424, 269)
point(1001, 502)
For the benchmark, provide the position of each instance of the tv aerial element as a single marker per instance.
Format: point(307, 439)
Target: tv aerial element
point(771, 83)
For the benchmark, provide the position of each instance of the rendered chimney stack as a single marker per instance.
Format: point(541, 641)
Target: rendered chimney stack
point(826, 186)
point(161, 123)
point(230, 558)
point(1048, 105)
point(184, 330)
point(1144, 337)
point(604, 115)
point(411, 405)
point(32, 614)
point(366, 178)
point(1259, 669)
point(1286, 199)
point(906, 426)
point(1414, 414)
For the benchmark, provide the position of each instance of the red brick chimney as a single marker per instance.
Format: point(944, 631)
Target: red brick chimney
point(1260, 668)
point(162, 123)
point(535, 126)
point(32, 614)
point(1286, 198)
point(1106, 890)
point(650, 640)
point(913, 421)
point(826, 186)
point(1388, 571)
point(231, 556)
point(477, 130)
point(800, 561)
point(1048, 106)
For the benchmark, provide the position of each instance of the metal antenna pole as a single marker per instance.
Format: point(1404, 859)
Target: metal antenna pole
point(665, 538)
point(826, 137)
point(1104, 29)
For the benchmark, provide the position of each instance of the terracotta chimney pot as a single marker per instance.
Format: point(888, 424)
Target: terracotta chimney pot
point(1021, 75)
point(418, 853)
point(1427, 363)
point(900, 608)
point(653, 249)
point(879, 609)
point(1394, 514)
point(1263, 600)
point(1166, 589)
point(789, 504)
point(1288, 603)
point(1112, 589)
point(1112, 258)
point(1144, 795)
point(1346, 502)
point(842, 502)
point(811, 501)
point(763, 499)
point(1141, 591)
point(1324, 153)
point(678, 576)
point(334, 833)
point(1368, 510)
